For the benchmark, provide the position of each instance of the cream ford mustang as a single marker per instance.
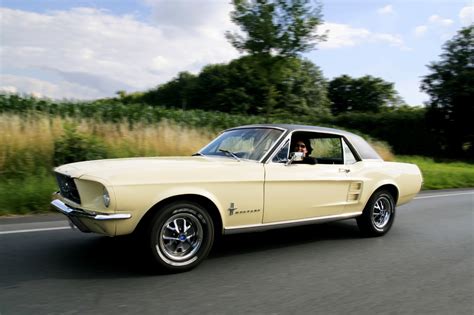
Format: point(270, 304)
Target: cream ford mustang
point(250, 178)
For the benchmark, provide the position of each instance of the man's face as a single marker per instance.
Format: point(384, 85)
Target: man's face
point(301, 147)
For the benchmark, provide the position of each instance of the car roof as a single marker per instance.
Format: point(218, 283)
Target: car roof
point(364, 149)
point(293, 127)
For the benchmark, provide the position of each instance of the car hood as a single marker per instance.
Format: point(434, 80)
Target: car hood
point(116, 171)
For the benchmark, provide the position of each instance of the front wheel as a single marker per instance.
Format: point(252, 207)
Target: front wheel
point(181, 236)
point(378, 215)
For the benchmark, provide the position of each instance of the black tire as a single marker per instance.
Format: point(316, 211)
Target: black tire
point(180, 236)
point(378, 215)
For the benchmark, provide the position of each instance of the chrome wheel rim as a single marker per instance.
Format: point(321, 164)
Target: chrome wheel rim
point(180, 237)
point(382, 212)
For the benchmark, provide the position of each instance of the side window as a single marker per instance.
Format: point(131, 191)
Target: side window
point(322, 148)
point(348, 155)
point(282, 155)
point(327, 149)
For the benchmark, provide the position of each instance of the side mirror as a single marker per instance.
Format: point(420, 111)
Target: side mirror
point(295, 157)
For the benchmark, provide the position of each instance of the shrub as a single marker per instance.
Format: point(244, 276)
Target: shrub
point(74, 146)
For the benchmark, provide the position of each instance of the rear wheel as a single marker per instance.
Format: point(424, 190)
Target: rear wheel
point(378, 215)
point(181, 236)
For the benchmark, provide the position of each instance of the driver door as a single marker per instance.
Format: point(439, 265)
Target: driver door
point(303, 191)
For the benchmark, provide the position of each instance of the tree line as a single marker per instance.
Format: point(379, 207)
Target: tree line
point(273, 80)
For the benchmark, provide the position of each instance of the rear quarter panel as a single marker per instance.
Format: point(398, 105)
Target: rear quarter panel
point(374, 174)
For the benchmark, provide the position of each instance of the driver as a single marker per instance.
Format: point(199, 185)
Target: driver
point(304, 146)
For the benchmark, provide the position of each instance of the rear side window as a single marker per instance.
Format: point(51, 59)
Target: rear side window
point(348, 155)
point(364, 149)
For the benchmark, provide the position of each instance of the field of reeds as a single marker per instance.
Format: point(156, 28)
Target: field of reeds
point(27, 151)
point(36, 135)
point(27, 142)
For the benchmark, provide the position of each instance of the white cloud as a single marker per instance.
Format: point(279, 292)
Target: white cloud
point(8, 89)
point(388, 9)
point(420, 30)
point(466, 15)
point(436, 24)
point(343, 35)
point(159, 63)
point(187, 15)
point(99, 53)
point(436, 19)
point(42, 88)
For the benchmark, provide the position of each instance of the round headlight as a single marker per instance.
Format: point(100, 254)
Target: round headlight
point(106, 198)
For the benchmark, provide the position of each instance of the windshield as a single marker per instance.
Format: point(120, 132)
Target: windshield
point(250, 144)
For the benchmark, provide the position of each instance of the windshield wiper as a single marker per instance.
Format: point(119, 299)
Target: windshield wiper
point(231, 154)
point(198, 154)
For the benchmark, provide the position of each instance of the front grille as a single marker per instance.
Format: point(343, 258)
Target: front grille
point(68, 188)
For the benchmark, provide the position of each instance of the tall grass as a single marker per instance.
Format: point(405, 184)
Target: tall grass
point(139, 116)
point(27, 147)
point(163, 139)
point(27, 144)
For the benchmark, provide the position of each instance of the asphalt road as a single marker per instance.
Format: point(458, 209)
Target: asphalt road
point(424, 265)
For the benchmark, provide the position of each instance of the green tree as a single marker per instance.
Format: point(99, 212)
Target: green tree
point(303, 90)
point(243, 87)
point(211, 82)
point(121, 94)
point(450, 86)
point(177, 93)
point(364, 94)
point(274, 32)
point(275, 27)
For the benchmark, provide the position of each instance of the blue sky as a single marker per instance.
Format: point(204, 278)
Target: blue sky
point(90, 49)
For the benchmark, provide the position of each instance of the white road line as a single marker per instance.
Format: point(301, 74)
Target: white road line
point(445, 195)
point(36, 230)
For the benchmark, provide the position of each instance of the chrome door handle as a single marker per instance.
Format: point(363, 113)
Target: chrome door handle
point(344, 170)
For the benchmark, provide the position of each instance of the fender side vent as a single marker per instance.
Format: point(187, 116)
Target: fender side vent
point(355, 190)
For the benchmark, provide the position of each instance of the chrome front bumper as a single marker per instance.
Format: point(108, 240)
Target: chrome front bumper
point(74, 215)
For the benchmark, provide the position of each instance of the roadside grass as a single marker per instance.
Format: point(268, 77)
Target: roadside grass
point(442, 174)
point(26, 195)
point(27, 154)
point(27, 144)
